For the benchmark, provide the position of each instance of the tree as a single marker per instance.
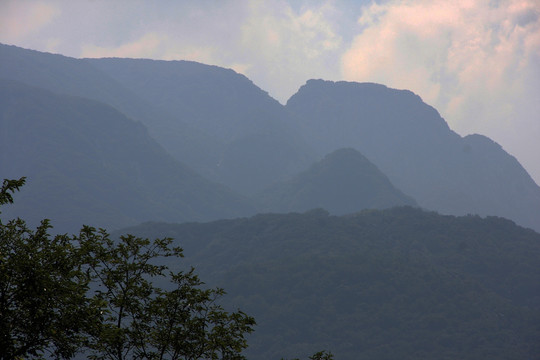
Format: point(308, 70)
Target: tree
point(43, 305)
point(321, 355)
point(140, 320)
point(86, 292)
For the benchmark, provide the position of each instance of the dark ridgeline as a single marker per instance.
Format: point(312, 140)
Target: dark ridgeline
point(400, 283)
point(212, 119)
point(224, 127)
point(220, 124)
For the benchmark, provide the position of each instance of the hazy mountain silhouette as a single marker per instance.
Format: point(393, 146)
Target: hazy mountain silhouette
point(398, 283)
point(414, 147)
point(88, 163)
point(65, 75)
point(226, 128)
point(343, 182)
point(380, 284)
point(255, 144)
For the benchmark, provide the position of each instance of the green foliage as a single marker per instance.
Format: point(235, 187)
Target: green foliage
point(321, 355)
point(43, 303)
point(111, 299)
point(178, 320)
point(8, 187)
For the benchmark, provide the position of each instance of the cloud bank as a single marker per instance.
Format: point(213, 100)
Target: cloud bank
point(477, 62)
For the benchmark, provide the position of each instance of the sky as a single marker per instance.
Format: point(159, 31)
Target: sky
point(476, 61)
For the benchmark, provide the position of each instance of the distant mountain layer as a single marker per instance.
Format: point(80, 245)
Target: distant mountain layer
point(69, 76)
point(205, 116)
point(342, 183)
point(413, 146)
point(254, 142)
point(87, 163)
point(225, 128)
point(392, 284)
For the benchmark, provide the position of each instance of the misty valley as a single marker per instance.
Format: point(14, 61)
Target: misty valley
point(349, 223)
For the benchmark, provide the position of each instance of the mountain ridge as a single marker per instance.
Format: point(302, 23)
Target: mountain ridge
point(412, 144)
point(87, 162)
point(405, 138)
point(226, 106)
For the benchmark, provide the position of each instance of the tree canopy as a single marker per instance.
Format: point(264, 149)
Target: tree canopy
point(60, 295)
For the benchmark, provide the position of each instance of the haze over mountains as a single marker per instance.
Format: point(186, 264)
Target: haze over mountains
point(222, 126)
point(86, 162)
point(120, 142)
point(409, 141)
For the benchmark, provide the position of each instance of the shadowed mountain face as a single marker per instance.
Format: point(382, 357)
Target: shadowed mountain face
point(218, 101)
point(205, 116)
point(86, 162)
point(69, 76)
point(342, 183)
point(254, 142)
point(380, 284)
point(65, 75)
point(413, 146)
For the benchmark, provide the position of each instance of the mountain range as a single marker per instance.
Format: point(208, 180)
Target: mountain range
point(410, 142)
point(353, 257)
point(86, 162)
point(218, 125)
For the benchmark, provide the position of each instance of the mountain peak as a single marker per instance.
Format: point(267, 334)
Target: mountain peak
point(346, 88)
point(343, 182)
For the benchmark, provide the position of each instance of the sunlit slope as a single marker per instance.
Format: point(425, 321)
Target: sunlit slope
point(88, 163)
point(409, 141)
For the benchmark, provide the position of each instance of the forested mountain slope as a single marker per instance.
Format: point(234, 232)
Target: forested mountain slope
point(409, 142)
point(69, 76)
point(398, 283)
point(381, 284)
point(86, 162)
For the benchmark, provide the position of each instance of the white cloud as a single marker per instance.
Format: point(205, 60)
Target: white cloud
point(19, 19)
point(145, 47)
point(278, 44)
point(288, 46)
point(475, 61)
